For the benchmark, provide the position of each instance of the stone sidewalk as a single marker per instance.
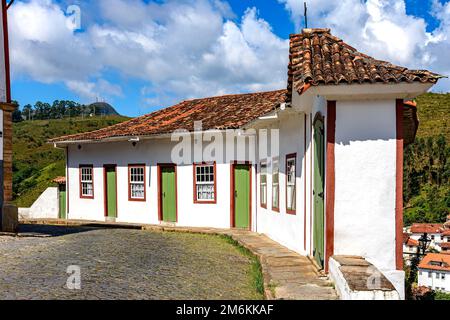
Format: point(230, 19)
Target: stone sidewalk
point(287, 275)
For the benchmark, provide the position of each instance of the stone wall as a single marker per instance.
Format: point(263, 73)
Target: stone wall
point(357, 279)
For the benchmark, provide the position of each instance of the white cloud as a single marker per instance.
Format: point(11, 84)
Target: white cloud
point(181, 48)
point(101, 89)
point(194, 48)
point(383, 29)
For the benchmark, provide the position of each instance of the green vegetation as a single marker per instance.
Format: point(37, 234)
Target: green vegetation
point(37, 163)
point(427, 169)
point(255, 269)
point(60, 109)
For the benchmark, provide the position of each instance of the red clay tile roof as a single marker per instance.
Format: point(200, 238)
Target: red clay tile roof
point(319, 58)
point(60, 180)
point(412, 243)
point(445, 245)
point(446, 233)
point(436, 261)
point(224, 112)
point(407, 240)
point(426, 228)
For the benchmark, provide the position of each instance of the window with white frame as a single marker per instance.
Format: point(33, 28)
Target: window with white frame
point(263, 184)
point(86, 182)
point(205, 183)
point(275, 184)
point(290, 183)
point(137, 182)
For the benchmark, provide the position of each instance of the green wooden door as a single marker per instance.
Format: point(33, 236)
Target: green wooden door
point(62, 201)
point(111, 192)
point(319, 161)
point(242, 196)
point(168, 194)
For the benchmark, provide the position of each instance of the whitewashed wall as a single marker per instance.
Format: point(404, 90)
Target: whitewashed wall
point(287, 229)
point(365, 163)
point(150, 152)
point(433, 279)
point(45, 207)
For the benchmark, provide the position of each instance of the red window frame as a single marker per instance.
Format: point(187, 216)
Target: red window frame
point(80, 168)
point(194, 175)
point(262, 163)
point(290, 157)
point(137, 165)
point(276, 209)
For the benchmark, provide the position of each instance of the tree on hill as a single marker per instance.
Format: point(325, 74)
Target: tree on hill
point(60, 109)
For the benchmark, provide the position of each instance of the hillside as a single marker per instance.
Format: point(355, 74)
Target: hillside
point(37, 163)
point(102, 108)
point(427, 165)
point(434, 115)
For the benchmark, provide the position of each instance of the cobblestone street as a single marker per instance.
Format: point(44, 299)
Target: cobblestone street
point(122, 264)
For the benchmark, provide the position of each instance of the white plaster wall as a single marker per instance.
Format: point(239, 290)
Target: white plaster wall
point(365, 159)
point(150, 152)
point(284, 228)
point(435, 281)
point(434, 242)
point(45, 207)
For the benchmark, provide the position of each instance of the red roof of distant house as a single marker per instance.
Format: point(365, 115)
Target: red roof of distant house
point(436, 261)
point(426, 228)
point(445, 245)
point(60, 180)
point(446, 233)
point(224, 112)
point(412, 243)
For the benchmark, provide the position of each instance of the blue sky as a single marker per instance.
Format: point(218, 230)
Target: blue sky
point(143, 55)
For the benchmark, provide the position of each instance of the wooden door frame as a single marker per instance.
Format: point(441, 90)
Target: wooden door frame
point(105, 189)
point(319, 117)
point(160, 211)
point(232, 190)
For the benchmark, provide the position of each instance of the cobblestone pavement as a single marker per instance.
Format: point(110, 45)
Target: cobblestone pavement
point(122, 264)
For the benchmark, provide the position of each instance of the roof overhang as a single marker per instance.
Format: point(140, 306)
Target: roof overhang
point(367, 91)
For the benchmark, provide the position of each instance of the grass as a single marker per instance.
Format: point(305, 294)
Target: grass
point(433, 110)
point(255, 266)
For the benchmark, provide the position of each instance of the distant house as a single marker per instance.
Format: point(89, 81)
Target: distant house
point(438, 234)
point(326, 173)
point(433, 231)
point(410, 248)
point(434, 272)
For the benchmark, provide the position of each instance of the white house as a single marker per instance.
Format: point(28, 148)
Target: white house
point(410, 248)
point(434, 272)
point(438, 234)
point(317, 167)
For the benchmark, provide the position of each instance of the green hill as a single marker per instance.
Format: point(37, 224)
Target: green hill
point(427, 165)
point(434, 115)
point(37, 163)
